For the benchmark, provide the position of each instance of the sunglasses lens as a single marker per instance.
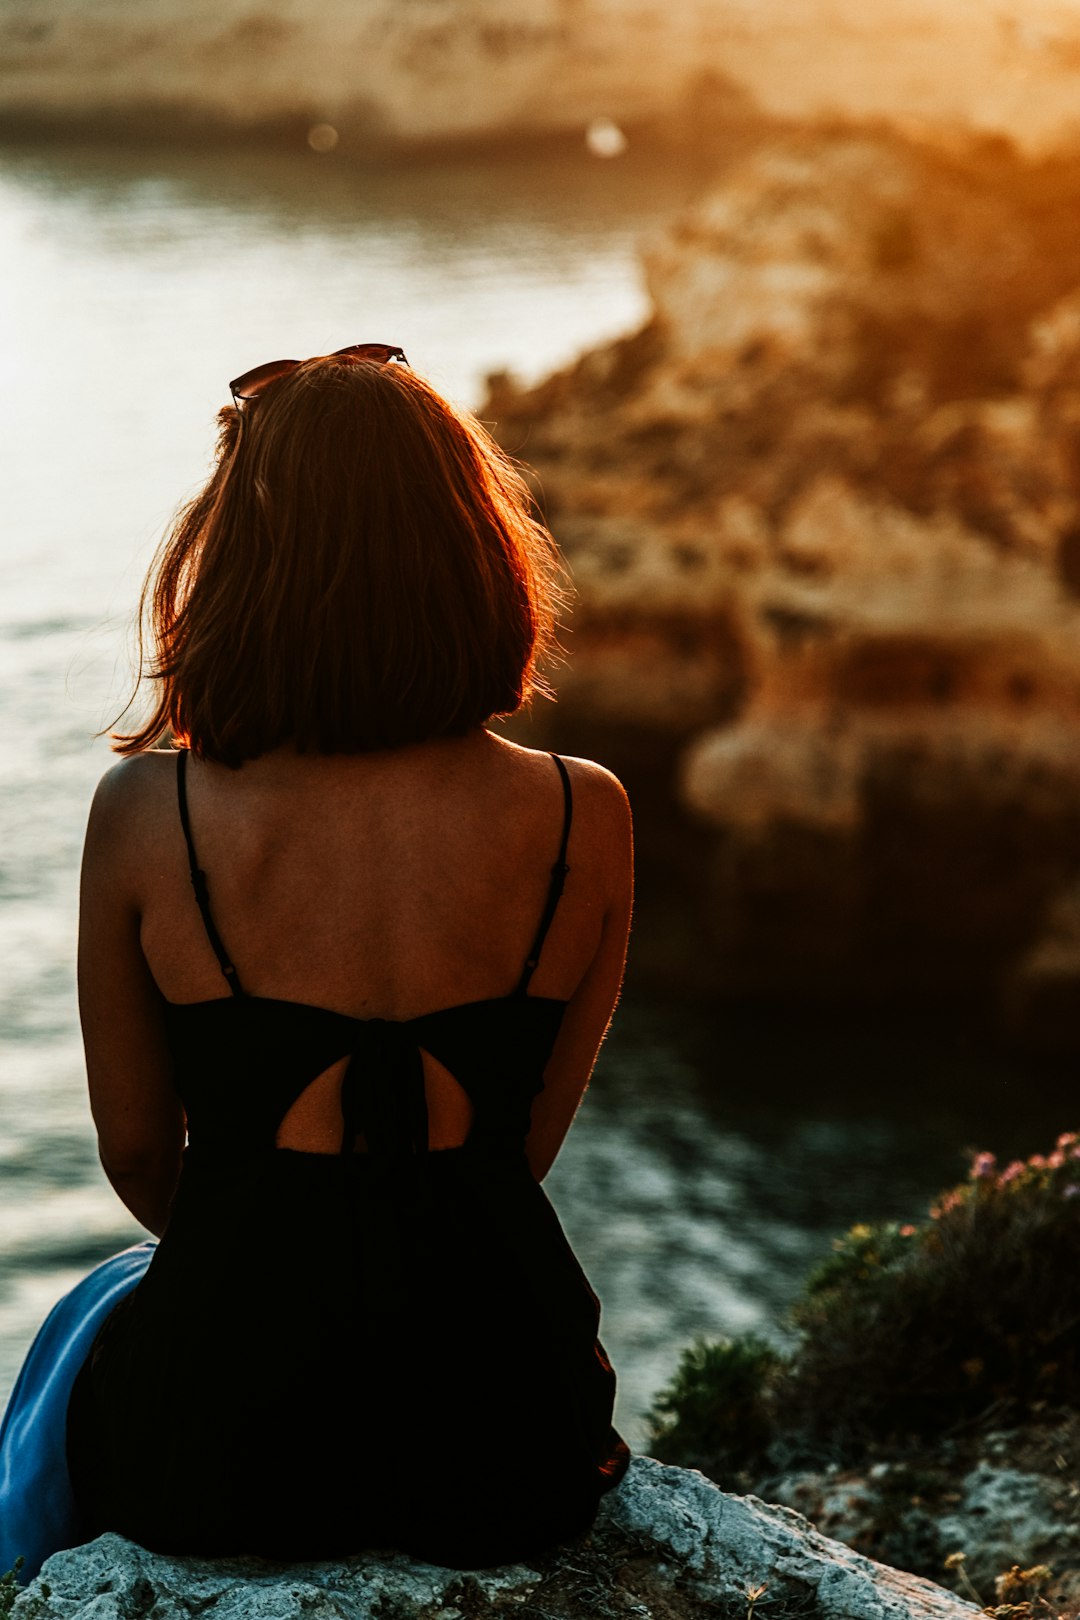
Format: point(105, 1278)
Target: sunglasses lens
point(252, 383)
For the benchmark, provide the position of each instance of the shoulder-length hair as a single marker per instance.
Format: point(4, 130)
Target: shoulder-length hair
point(365, 568)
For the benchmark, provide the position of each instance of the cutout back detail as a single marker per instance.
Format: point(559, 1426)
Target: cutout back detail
point(316, 1122)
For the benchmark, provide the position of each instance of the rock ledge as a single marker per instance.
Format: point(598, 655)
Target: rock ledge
point(668, 1545)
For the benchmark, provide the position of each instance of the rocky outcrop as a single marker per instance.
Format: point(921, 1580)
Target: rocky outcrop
point(991, 1519)
point(494, 69)
point(824, 518)
point(368, 71)
point(667, 1545)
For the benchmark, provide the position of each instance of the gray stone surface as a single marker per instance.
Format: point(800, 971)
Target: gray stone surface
point(1011, 1517)
point(996, 1515)
point(668, 1545)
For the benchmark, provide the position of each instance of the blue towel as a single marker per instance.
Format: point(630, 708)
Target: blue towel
point(38, 1515)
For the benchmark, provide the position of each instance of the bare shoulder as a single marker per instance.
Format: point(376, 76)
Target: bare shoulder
point(136, 781)
point(598, 795)
point(602, 828)
point(595, 788)
point(128, 801)
point(602, 784)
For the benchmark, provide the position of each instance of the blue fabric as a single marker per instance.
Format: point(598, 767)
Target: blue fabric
point(38, 1515)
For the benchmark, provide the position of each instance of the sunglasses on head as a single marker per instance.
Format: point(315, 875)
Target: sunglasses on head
point(255, 382)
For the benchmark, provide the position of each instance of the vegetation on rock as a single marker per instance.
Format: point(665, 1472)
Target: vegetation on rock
point(904, 1332)
point(928, 1413)
point(9, 1589)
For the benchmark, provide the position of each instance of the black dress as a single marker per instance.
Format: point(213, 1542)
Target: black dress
point(383, 1348)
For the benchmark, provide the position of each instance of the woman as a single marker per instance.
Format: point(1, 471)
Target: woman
point(363, 952)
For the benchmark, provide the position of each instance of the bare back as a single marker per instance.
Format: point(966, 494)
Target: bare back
point(379, 886)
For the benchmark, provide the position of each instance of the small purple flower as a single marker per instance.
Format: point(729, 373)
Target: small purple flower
point(1071, 1191)
point(983, 1164)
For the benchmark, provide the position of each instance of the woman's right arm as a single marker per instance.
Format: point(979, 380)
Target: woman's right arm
point(588, 1015)
point(138, 1115)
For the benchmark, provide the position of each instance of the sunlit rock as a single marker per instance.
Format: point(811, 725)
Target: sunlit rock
point(489, 69)
point(823, 513)
point(795, 228)
point(667, 1542)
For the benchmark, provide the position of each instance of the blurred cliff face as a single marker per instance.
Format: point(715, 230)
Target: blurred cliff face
point(824, 517)
point(433, 71)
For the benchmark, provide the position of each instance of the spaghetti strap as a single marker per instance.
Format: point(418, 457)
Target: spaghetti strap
point(555, 887)
point(198, 880)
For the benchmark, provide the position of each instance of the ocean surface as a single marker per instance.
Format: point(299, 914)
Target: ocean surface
point(718, 1151)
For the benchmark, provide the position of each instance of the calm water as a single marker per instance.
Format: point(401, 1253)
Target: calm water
point(716, 1154)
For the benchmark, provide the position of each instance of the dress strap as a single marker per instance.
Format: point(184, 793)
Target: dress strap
point(198, 880)
point(555, 887)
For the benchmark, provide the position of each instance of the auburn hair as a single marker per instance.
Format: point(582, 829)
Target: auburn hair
point(364, 568)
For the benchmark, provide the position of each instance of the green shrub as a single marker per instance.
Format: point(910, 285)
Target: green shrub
point(715, 1414)
point(907, 1331)
point(9, 1588)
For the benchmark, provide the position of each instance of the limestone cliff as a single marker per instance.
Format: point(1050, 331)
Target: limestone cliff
point(824, 517)
point(436, 70)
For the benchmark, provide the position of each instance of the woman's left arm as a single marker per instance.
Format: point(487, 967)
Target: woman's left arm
point(138, 1115)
